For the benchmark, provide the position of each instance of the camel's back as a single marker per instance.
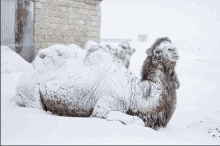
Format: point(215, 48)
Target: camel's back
point(66, 91)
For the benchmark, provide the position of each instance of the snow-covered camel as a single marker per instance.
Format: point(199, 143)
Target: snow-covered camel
point(97, 84)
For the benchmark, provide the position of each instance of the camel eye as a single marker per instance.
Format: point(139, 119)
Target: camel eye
point(157, 52)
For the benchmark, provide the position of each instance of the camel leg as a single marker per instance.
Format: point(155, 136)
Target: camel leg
point(101, 109)
point(104, 113)
point(124, 118)
point(105, 109)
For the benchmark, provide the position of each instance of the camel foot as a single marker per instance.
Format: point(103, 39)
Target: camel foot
point(124, 118)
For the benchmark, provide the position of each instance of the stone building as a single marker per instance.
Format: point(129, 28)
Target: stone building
point(66, 21)
point(31, 25)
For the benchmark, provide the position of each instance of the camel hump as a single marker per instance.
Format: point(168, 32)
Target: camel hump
point(89, 44)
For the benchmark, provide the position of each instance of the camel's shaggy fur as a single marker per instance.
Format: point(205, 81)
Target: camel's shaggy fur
point(97, 84)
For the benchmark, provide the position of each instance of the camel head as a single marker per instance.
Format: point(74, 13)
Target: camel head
point(164, 55)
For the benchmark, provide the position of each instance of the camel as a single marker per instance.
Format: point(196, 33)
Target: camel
point(98, 85)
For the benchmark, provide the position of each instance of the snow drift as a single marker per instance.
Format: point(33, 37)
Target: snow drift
point(12, 62)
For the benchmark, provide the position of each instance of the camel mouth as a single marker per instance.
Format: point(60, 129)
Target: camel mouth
point(175, 58)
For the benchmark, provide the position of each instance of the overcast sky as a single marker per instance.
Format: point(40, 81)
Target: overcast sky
point(177, 19)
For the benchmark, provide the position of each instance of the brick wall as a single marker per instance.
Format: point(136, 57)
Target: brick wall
point(66, 22)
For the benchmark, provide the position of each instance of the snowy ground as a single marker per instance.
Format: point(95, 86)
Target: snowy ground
point(196, 119)
point(12, 62)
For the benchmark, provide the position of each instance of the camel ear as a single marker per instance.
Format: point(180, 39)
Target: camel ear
point(148, 52)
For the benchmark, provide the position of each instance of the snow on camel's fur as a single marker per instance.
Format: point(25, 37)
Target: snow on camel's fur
point(124, 51)
point(98, 85)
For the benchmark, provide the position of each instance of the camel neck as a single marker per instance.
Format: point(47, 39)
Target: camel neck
point(161, 66)
point(151, 104)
